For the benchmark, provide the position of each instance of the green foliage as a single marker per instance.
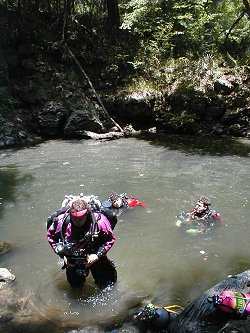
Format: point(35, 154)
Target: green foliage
point(139, 15)
point(87, 105)
point(159, 41)
point(197, 75)
point(185, 28)
point(185, 41)
point(181, 119)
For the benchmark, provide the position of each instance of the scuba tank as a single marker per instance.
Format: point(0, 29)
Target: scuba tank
point(94, 204)
point(90, 199)
point(53, 217)
point(110, 216)
point(105, 210)
point(232, 302)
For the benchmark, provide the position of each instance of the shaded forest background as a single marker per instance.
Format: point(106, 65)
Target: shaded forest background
point(58, 57)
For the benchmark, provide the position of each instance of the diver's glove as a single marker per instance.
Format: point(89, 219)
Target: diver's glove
point(59, 250)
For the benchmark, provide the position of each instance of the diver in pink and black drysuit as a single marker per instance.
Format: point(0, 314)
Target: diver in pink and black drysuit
point(83, 238)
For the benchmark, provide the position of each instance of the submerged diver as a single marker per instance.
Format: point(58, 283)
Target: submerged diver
point(121, 202)
point(82, 238)
point(201, 219)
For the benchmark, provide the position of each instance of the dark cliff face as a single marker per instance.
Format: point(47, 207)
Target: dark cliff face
point(40, 108)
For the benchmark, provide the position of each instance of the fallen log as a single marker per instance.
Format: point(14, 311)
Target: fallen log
point(107, 136)
point(202, 316)
point(100, 136)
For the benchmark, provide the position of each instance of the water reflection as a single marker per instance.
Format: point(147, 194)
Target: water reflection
point(10, 179)
point(201, 145)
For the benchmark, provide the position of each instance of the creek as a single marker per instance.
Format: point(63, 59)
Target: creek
point(156, 262)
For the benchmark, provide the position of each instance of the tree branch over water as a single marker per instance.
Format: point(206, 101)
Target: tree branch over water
point(93, 89)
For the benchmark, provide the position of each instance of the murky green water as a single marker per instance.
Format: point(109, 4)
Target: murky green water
point(155, 260)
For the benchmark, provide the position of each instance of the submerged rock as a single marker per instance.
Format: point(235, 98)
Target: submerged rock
point(4, 247)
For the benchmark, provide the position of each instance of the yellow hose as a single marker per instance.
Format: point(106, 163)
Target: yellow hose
point(170, 307)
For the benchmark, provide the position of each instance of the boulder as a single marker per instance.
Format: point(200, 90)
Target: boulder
point(5, 277)
point(202, 316)
point(81, 121)
point(51, 119)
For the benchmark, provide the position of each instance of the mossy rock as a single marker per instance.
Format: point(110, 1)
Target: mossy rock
point(4, 247)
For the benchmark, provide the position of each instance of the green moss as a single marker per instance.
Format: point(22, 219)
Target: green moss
point(179, 119)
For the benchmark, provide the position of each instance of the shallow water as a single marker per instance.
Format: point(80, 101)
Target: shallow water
point(155, 260)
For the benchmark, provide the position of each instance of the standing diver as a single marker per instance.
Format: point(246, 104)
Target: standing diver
point(83, 238)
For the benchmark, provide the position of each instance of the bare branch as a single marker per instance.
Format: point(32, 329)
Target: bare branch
point(93, 89)
point(234, 24)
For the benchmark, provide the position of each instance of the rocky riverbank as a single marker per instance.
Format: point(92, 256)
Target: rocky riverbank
point(48, 99)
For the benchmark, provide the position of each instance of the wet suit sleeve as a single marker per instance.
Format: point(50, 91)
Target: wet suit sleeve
point(53, 233)
point(108, 236)
point(216, 216)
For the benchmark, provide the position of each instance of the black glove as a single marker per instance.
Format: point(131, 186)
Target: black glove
point(59, 250)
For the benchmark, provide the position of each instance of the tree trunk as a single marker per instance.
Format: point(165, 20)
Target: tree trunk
point(247, 7)
point(113, 13)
